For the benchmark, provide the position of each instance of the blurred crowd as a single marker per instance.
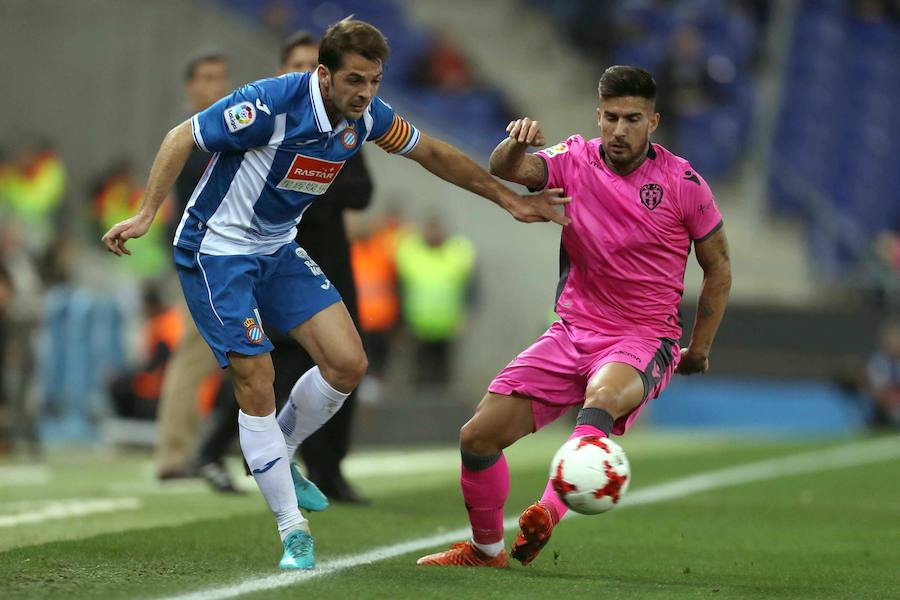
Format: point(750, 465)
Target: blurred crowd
point(71, 358)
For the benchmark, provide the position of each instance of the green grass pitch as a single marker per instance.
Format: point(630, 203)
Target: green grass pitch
point(832, 533)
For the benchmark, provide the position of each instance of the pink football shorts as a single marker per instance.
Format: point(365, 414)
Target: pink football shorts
point(555, 370)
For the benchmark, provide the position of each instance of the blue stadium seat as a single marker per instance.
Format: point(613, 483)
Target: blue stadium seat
point(472, 119)
point(838, 124)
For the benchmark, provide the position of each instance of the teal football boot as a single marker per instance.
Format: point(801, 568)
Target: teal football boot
point(309, 497)
point(298, 551)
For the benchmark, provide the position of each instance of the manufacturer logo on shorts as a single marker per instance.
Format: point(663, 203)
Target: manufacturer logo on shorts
point(310, 175)
point(313, 267)
point(348, 138)
point(651, 195)
point(239, 116)
point(254, 332)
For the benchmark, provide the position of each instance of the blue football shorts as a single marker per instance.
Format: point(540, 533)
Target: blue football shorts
point(232, 298)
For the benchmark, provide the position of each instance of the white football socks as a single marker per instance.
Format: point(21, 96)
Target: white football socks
point(264, 450)
point(312, 402)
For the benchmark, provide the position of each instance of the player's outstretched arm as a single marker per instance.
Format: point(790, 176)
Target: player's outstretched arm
point(712, 254)
point(451, 165)
point(169, 161)
point(510, 159)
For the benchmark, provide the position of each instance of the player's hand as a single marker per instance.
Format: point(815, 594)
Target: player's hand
point(692, 362)
point(526, 131)
point(135, 227)
point(535, 208)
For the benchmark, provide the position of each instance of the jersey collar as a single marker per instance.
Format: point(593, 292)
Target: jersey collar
point(651, 152)
point(315, 96)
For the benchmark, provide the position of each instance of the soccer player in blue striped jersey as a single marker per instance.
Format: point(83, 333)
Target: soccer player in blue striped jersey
point(277, 144)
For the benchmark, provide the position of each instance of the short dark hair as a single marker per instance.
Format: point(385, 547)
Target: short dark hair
point(620, 81)
point(198, 59)
point(296, 40)
point(351, 36)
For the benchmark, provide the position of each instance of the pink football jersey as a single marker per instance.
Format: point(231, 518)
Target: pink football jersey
point(623, 256)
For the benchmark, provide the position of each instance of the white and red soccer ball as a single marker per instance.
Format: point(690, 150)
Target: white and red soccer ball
point(590, 474)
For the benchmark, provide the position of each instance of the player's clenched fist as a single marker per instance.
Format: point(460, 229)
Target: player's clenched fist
point(692, 362)
point(526, 131)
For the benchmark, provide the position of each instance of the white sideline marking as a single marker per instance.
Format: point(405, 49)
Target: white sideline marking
point(377, 465)
point(24, 475)
point(809, 462)
point(65, 509)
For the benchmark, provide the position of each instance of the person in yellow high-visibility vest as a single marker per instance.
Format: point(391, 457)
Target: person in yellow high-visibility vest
point(33, 187)
point(117, 197)
point(436, 281)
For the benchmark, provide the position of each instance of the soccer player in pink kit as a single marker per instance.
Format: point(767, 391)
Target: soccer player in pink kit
point(636, 209)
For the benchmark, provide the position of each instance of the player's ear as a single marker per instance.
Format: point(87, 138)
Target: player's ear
point(324, 76)
point(654, 122)
point(599, 112)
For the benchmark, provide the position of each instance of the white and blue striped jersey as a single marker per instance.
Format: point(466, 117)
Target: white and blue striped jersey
point(274, 151)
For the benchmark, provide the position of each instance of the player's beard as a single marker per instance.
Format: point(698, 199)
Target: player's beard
point(624, 161)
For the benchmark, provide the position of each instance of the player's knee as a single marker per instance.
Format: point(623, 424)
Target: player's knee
point(345, 373)
point(253, 388)
point(608, 398)
point(475, 439)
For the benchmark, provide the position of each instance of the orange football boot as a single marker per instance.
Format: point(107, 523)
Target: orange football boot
point(536, 525)
point(464, 554)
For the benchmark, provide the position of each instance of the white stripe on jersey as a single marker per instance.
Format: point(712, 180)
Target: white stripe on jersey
point(196, 194)
point(322, 121)
point(369, 121)
point(233, 218)
point(198, 137)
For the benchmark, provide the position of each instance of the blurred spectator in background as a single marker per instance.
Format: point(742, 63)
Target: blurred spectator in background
point(7, 295)
point(884, 377)
point(443, 67)
point(206, 80)
point(135, 392)
point(32, 188)
point(887, 247)
point(20, 313)
point(116, 195)
point(685, 76)
point(373, 256)
point(80, 343)
point(436, 274)
point(875, 11)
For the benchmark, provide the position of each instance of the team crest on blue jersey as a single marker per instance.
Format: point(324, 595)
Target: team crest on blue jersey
point(651, 195)
point(254, 332)
point(348, 138)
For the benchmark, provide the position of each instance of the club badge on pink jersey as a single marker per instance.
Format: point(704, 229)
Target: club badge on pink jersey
point(651, 195)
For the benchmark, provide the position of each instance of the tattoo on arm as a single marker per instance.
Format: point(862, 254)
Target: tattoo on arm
point(510, 162)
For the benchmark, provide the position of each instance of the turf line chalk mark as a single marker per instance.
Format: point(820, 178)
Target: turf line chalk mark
point(24, 475)
point(799, 464)
point(65, 509)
